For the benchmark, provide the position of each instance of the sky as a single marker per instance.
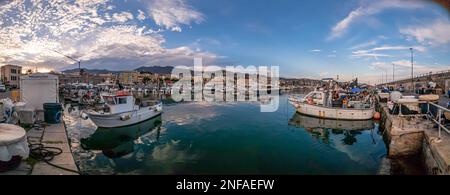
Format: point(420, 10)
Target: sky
point(305, 38)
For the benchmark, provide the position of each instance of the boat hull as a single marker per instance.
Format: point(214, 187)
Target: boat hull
point(123, 119)
point(334, 113)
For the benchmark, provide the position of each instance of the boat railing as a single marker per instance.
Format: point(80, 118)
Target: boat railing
point(435, 113)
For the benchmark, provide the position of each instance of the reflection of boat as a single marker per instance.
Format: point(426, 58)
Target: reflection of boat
point(305, 121)
point(122, 109)
point(117, 142)
point(321, 128)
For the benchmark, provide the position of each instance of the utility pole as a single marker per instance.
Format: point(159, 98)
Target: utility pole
point(386, 75)
point(393, 72)
point(382, 78)
point(412, 70)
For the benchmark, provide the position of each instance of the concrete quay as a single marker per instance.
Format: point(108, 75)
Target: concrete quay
point(415, 135)
point(56, 136)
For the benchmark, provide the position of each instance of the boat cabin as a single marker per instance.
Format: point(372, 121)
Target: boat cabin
point(121, 102)
point(315, 97)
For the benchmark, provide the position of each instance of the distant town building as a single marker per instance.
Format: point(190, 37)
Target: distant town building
point(85, 78)
point(107, 77)
point(10, 75)
point(128, 78)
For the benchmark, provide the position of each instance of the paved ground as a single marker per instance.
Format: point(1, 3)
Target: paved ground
point(55, 136)
point(51, 136)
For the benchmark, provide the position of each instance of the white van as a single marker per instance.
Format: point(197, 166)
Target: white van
point(2, 88)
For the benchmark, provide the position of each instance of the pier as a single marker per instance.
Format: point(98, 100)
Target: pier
point(421, 134)
point(53, 136)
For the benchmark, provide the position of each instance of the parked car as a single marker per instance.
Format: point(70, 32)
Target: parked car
point(2, 88)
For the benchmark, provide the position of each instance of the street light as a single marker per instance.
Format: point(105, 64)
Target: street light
point(386, 75)
point(412, 70)
point(393, 72)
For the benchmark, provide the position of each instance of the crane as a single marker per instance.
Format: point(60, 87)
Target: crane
point(78, 61)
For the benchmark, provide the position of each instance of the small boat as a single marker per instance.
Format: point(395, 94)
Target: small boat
point(122, 109)
point(316, 104)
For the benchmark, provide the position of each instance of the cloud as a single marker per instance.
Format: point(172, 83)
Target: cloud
point(339, 29)
point(323, 74)
point(331, 56)
point(373, 52)
point(122, 17)
point(364, 45)
point(171, 14)
point(368, 9)
point(315, 50)
point(141, 15)
point(372, 55)
point(90, 31)
point(434, 34)
point(387, 47)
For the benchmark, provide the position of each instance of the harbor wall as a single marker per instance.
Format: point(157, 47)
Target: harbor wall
point(413, 135)
point(403, 136)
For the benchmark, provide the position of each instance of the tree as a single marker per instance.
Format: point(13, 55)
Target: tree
point(146, 80)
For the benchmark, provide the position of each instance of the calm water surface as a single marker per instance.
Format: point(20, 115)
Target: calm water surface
point(227, 138)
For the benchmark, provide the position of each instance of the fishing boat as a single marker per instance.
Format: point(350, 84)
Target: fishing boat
point(122, 109)
point(319, 103)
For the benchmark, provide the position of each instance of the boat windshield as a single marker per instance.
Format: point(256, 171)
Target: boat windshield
point(122, 100)
point(109, 100)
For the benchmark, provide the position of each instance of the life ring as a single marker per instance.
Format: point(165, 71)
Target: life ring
point(310, 101)
point(58, 117)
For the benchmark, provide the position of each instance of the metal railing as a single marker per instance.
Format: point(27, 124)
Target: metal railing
point(434, 113)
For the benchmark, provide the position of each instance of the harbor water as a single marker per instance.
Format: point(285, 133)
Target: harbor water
point(227, 138)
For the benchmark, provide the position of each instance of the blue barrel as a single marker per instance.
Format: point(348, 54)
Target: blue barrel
point(52, 113)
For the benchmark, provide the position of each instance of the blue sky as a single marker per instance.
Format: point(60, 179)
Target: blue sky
point(308, 38)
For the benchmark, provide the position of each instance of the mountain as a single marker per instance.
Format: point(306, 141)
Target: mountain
point(91, 71)
point(155, 69)
point(147, 69)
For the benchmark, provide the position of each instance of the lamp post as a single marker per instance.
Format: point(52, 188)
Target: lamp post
point(393, 72)
point(382, 78)
point(386, 75)
point(412, 70)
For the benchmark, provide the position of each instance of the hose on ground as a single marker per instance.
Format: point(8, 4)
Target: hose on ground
point(46, 154)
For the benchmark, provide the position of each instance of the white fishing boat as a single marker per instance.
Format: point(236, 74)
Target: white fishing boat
point(317, 104)
point(122, 109)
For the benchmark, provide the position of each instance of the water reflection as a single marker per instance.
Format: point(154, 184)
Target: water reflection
point(321, 128)
point(344, 135)
point(118, 142)
point(226, 138)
